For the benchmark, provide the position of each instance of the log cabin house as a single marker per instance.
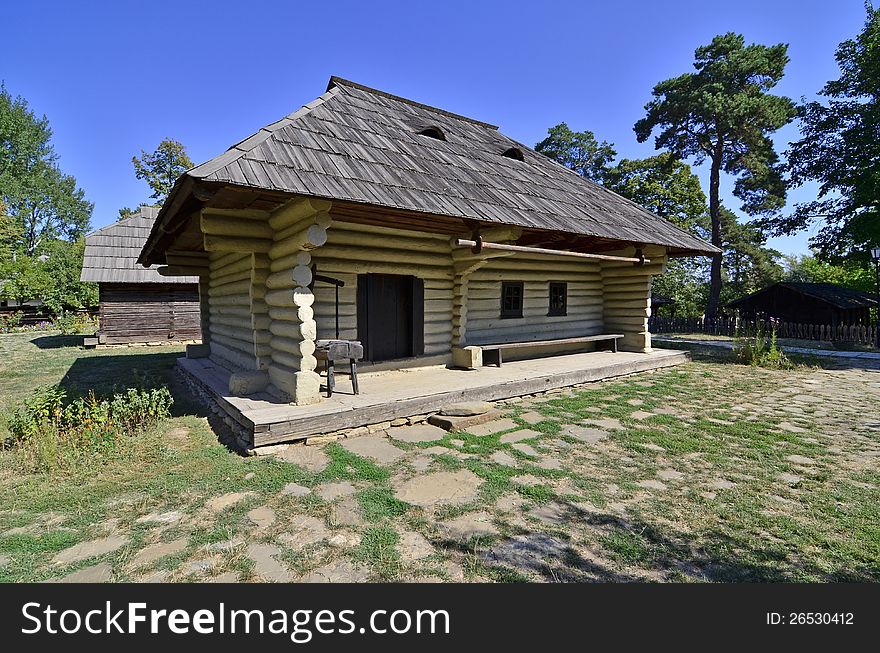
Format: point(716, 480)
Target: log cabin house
point(137, 304)
point(451, 239)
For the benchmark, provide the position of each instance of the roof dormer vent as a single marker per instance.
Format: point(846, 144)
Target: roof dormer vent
point(433, 131)
point(514, 153)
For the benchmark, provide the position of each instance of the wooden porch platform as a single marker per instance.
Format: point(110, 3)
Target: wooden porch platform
point(389, 395)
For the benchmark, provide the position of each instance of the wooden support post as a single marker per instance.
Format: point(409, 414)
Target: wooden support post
point(298, 227)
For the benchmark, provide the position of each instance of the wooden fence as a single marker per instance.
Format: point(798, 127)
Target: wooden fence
point(858, 334)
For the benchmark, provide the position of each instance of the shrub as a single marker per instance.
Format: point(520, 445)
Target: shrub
point(761, 351)
point(71, 324)
point(52, 433)
point(9, 321)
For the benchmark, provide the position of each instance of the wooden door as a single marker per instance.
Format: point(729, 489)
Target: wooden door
point(391, 316)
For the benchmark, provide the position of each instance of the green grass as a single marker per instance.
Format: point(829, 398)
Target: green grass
point(824, 527)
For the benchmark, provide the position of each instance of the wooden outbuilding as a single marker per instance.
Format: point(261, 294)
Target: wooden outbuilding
point(137, 304)
point(808, 303)
point(448, 237)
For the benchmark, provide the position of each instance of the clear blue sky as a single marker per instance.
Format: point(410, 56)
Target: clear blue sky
point(115, 77)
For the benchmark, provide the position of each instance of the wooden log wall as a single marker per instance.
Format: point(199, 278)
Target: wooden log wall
point(353, 249)
point(148, 312)
point(626, 304)
point(536, 271)
point(229, 306)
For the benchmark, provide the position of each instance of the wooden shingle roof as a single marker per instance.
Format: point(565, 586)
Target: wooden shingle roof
point(357, 144)
point(829, 293)
point(111, 252)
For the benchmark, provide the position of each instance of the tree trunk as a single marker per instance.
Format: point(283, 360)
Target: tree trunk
point(715, 214)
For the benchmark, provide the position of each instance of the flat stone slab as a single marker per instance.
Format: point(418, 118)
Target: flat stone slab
point(311, 459)
point(605, 423)
point(509, 502)
point(800, 460)
point(440, 488)
point(374, 447)
point(551, 513)
point(90, 549)
point(265, 564)
point(652, 484)
point(522, 447)
point(224, 501)
point(413, 546)
point(517, 436)
point(347, 512)
point(421, 463)
point(532, 417)
point(100, 573)
point(160, 517)
point(450, 423)
point(791, 428)
point(344, 539)
point(338, 571)
point(262, 517)
point(295, 490)
point(494, 426)
point(304, 531)
point(791, 479)
point(417, 433)
point(548, 462)
point(331, 491)
point(466, 409)
point(722, 484)
point(466, 527)
point(584, 433)
point(641, 414)
point(225, 577)
point(503, 458)
point(152, 552)
point(530, 552)
point(670, 475)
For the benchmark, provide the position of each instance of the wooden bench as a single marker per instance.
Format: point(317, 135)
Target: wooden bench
point(497, 349)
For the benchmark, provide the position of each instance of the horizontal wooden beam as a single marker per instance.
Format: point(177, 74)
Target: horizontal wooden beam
point(476, 245)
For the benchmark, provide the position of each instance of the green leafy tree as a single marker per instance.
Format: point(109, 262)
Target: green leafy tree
point(127, 212)
point(840, 148)
point(723, 112)
point(62, 266)
point(668, 187)
point(579, 151)
point(808, 268)
point(665, 186)
point(53, 277)
point(162, 167)
point(748, 264)
point(42, 202)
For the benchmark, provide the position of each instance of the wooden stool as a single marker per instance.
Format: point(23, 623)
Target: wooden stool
point(333, 350)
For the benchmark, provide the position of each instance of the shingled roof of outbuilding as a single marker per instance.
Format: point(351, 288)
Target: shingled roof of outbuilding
point(357, 144)
point(837, 296)
point(111, 252)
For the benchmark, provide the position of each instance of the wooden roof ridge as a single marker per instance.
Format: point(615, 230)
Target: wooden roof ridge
point(339, 81)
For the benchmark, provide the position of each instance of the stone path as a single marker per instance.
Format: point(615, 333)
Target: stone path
point(605, 490)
